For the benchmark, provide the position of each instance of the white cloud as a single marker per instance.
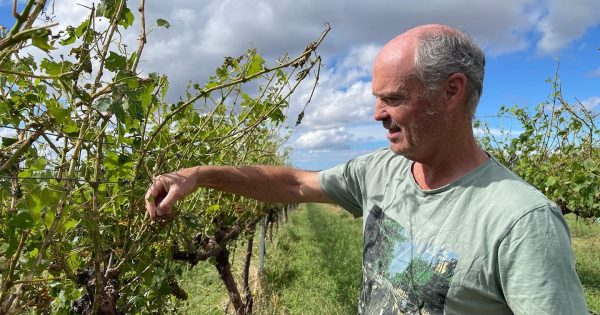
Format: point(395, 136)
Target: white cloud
point(330, 139)
point(185, 16)
point(594, 73)
point(334, 107)
point(228, 27)
point(497, 132)
point(320, 159)
point(343, 96)
point(591, 103)
point(203, 32)
point(358, 63)
point(565, 22)
point(6, 132)
point(368, 132)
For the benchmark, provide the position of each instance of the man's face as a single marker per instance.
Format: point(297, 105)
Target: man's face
point(410, 117)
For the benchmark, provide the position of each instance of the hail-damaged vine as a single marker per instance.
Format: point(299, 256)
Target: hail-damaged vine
point(556, 148)
point(90, 133)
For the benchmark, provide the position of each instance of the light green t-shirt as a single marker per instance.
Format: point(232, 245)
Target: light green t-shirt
point(489, 243)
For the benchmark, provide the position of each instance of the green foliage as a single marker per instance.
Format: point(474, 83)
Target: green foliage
point(558, 151)
point(40, 40)
point(89, 138)
point(314, 266)
point(163, 23)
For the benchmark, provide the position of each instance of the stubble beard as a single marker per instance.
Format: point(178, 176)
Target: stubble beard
point(400, 145)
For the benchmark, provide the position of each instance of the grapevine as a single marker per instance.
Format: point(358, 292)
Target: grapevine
point(557, 150)
point(91, 132)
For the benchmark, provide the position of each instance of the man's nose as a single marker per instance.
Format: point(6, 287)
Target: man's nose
point(380, 113)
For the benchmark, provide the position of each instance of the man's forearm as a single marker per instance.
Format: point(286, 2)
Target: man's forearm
point(264, 183)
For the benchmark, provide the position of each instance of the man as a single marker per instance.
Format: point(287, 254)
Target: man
point(447, 229)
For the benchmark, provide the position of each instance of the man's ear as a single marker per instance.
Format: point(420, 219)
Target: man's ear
point(456, 90)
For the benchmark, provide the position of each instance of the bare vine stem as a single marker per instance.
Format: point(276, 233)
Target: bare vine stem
point(14, 10)
point(22, 36)
point(9, 282)
point(302, 58)
point(38, 280)
point(298, 61)
point(142, 40)
point(21, 150)
point(96, 218)
point(10, 44)
point(107, 41)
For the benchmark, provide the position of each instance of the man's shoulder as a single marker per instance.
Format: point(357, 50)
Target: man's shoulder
point(382, 157)
point(506, 190)
point(498, 200)
point(372, 169)
point(380, 166)
point(381, 153)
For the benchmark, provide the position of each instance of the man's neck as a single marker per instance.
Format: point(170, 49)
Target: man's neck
point(449, 164)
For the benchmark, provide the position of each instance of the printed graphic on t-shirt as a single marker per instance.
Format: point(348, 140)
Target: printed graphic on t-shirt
point(401, 274)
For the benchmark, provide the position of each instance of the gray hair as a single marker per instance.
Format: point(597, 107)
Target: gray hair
point(439, 54)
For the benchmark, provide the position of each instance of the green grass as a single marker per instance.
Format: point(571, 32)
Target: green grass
point(206, 292)
point(586, 245)
point(313, 266)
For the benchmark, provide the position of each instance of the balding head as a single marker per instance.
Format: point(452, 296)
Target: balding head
point(416, 32)
point(435, 52)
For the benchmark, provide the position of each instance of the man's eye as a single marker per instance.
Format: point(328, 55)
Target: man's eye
point(391, 100)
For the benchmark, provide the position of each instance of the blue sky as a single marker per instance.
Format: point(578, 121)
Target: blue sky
point(522, 39)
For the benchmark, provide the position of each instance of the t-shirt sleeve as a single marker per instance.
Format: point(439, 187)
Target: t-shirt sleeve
point(537, 267)
point(343, 183)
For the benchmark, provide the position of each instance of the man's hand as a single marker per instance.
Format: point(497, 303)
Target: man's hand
point(168, 189)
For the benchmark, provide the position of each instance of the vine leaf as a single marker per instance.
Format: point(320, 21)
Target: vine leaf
point(8, 141)
point(55, 68)
point(21, 220)
point(117, 109)
point(37, 164)
point(40, 40)
point(163, 23)
point(115, 62)
point(103, 103)
point(589, 165)
point(108, 9)
point(300, 117)
point(127, 18)
point(256, 64)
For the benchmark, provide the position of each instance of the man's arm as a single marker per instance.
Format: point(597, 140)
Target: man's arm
point(264, 183)
point(537, 268)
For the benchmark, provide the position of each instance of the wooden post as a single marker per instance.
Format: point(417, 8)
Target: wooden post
point(261, 251)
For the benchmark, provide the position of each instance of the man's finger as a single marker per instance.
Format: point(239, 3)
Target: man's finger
point(155, 190)
point(150, 206)
point(159, 212)
point(168, 202)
